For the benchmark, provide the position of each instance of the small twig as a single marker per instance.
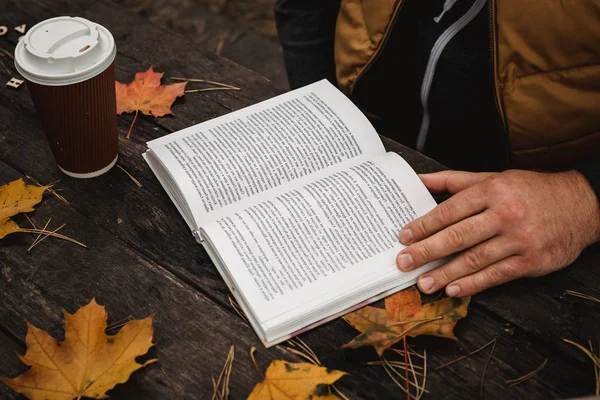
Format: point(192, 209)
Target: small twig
point(516, 381)
point(205, 81)
point(465, 356)
point(581, 295)
point(45, 237)
point(56, 235)
point(486, 367)
point(130, 176)
point(209, 89)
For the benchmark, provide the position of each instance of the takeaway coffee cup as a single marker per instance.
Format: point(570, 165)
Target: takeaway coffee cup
point(68, 65)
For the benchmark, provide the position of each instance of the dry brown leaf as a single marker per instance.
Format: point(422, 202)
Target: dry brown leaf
point(87, 363)
point(404, 314)
point(16, 197)
point(147, 95)
point(297, 381)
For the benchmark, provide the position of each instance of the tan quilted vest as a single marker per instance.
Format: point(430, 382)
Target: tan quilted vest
point(546, 67)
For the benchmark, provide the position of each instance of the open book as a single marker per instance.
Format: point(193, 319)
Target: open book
point(298, 205)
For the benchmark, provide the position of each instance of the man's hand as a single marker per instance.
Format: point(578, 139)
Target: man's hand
point(502, 225)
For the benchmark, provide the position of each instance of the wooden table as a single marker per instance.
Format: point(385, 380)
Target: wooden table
point(141, 258)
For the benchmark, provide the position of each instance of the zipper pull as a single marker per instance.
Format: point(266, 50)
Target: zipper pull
point(447, 6)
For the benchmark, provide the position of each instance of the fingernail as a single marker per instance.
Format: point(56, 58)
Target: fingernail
point(406, 236)
point(405, 261)
point(426, 283)
point(452, 290)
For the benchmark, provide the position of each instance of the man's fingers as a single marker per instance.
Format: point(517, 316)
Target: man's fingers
point(503, 271)
point(460, 206)
point(469, 262)
point(452, 181)
point(455, 238)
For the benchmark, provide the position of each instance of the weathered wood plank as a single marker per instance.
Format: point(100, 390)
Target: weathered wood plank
point(193, 334)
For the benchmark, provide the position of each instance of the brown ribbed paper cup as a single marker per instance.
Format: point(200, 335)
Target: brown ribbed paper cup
point(68, 63)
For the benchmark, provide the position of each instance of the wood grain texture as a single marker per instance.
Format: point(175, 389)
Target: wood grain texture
point(142, 258)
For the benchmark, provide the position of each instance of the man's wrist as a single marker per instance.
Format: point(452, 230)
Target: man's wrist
point(588, 198)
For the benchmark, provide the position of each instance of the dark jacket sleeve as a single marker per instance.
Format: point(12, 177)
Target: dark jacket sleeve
point(306, 31)
point(591, 170)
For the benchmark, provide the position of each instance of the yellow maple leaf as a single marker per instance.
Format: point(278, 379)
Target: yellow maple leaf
point(147, 95)
point(87, 363)
point(404, 314)
point(17, 197)
point(294, 381)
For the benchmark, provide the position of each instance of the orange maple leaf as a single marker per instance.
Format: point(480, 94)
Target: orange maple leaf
point(147, 95)
point(404, 314)
point(88, 363)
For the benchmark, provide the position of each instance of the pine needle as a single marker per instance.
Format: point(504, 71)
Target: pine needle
point(169, 381)
point(465, 356)
point(309, 355)
point(209, 89)
point(237, 309)
point(30, 221)
point(388, 369)
point(45, 237)
point(130, 176)
point(56, 235)
point(7, 53)
point(40, 234)
point(221, 386)
point(119, 323)
point(205, 81)
point(588, 353)
point(596, 369)
point(397, 364)
point(5, 68)
point(487, 363)
point(50, 189)
point(417, 320)
point(516, 381)
point(581, 295)
point(401, 352)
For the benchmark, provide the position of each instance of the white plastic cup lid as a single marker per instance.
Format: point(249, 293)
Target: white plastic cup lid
point(64, 50)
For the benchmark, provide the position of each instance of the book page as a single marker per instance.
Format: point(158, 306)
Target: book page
point(322, 239)
point(250, 151)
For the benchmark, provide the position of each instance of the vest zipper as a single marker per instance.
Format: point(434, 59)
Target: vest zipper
point(434, 57)
point(496, 92)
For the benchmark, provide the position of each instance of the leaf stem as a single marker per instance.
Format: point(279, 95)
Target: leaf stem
point(132, 122)
point(252, 350)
